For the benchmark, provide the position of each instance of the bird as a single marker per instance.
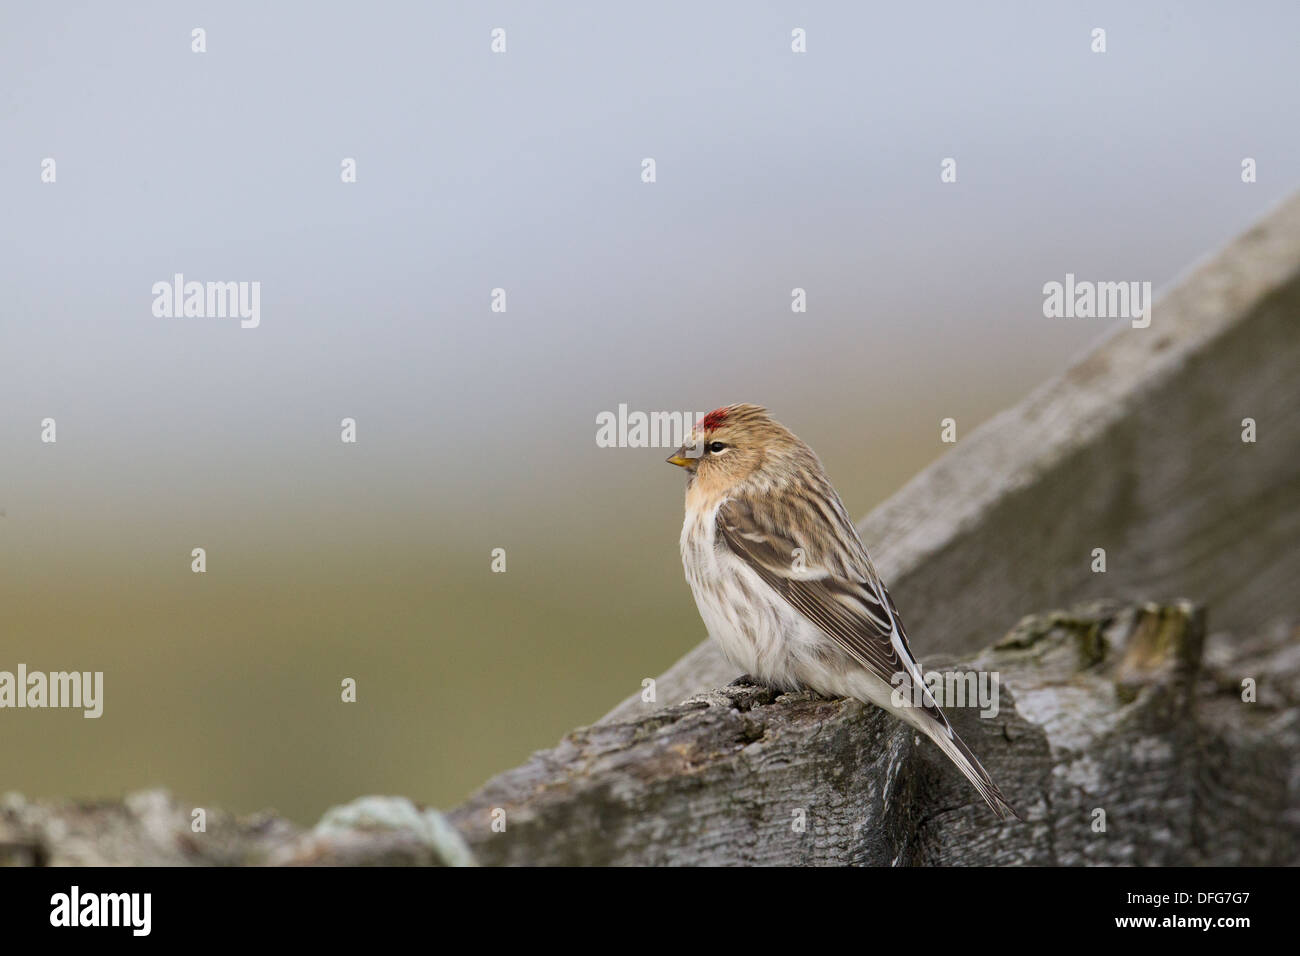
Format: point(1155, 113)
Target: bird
point(784, 583)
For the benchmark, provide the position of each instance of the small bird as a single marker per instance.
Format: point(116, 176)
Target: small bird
point(784, 583)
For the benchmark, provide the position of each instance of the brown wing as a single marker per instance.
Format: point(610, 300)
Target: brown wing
point(837, 588)
point(832, 583)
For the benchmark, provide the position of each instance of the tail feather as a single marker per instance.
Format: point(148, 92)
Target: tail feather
point(966, 762)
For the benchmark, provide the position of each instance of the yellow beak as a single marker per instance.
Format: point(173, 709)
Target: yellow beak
point(681, 459)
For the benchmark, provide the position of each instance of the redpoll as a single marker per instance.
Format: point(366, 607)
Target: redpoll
point(784, 583)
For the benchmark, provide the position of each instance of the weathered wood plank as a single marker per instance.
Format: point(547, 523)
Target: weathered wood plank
point(1102, 709)
point(1105, 709)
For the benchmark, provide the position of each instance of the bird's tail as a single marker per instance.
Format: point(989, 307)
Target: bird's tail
point(943, 735)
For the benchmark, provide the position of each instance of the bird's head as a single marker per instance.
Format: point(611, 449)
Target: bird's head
point(740, 445)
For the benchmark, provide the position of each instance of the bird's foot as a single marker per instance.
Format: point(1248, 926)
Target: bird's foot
point(746, 680)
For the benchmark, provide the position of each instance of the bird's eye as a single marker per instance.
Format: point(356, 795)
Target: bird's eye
point(716, 447)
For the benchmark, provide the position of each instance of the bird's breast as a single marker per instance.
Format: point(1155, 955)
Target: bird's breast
point(752, 625)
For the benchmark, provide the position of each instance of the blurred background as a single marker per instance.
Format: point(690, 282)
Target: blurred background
point(476, 430)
